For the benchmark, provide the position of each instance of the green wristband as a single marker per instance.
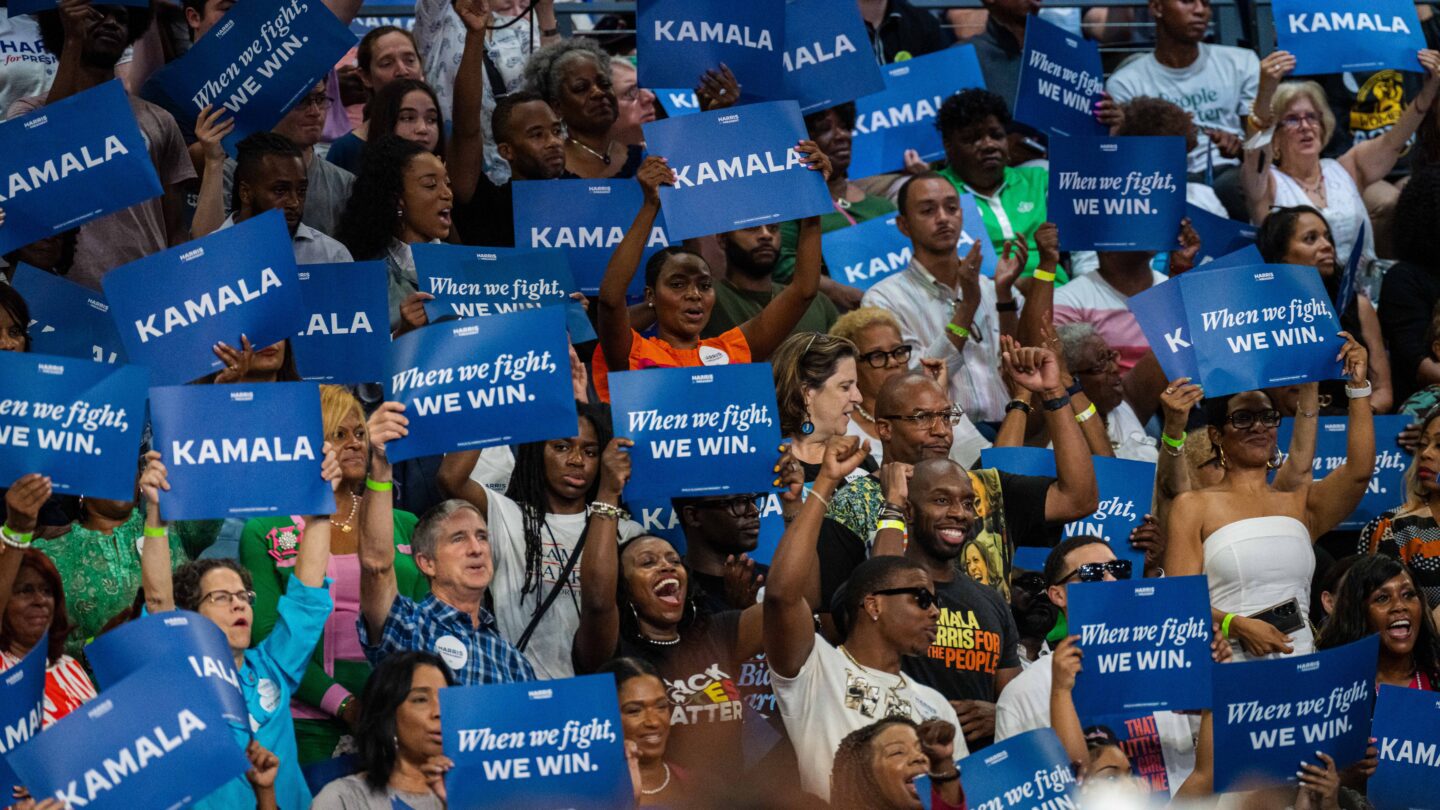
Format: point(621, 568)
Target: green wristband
point(1225, 625)
point(156, 531)
point(378, 486)
point(1178, 444)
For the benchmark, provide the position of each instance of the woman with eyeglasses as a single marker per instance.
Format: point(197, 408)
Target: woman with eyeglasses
point(1095, 367)
point(1410, 532)
point(816, 390)
point(636, 103)
point(1254, 539)
point(1287, 169)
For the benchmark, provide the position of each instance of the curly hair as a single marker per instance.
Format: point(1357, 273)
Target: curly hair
point(1146, 115)
point(383, 111)
point(60, 625)
point(851, 324)
point(1417, 240)
point(376, 735)
point(852, 778)
point(188, 577)
point(1351, 619)
point(805, 360)
point(373, 210)
point(546, 66)
point(969, 107)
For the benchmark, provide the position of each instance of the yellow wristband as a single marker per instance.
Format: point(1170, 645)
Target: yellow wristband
point(378, 486)
point(897, 525)
point(1225, 625)
point(156, 531)
point(1043, 275)
point(1085, 415)
point(957, 330)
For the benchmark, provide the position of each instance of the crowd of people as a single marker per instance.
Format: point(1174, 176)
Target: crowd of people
point(828, 675)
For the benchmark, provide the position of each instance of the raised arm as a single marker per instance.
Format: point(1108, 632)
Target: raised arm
point(1172, 473)
point(1074, 493)
point(1335, 496)
point(22, 513)
point(314, 555)
point(155, 563)
point(1370, 161)
point(1065, 662)
point(1038, 317)
point(378, 588)
point(599, 632)
point(455, 481)
point(766, 331)
point(465, 154)
point(1255, 179)
point(1298, 469)
point(789, 626)
point(210, 206)
point(613, 317)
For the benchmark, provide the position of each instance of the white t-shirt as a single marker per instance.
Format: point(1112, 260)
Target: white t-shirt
point(494, 468)
point(1128, 436)
point(1216, 89)
point(831, 696)
point(549, 647)
point(26, 68)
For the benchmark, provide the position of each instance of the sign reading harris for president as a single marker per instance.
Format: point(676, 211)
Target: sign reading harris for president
point(1124, 193)
point(828, 57)
point(70, 162)
point(586, 219)
point(902, 116)
point(1407, 731)
point(1061, 81)
point(69, 320)
point(736, 168)
point(257, 63)
point(347, 323)
point(866, 254)
point(678, 40)
point(76, 421)
point(1336, 36)
point(481, 382)
point(172, 307)
point(1387, 483)
point(241, 450)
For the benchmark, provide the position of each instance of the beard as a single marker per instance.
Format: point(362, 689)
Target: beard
point(737, 258)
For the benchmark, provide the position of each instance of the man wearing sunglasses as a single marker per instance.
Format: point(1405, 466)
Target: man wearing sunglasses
point(718, 529)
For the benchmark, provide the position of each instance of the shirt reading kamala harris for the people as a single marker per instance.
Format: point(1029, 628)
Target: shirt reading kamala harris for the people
point(727, 348)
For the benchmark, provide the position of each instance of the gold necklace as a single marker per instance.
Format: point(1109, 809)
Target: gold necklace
point(605, 158)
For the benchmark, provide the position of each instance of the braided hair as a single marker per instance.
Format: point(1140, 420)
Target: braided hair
point(531, 491)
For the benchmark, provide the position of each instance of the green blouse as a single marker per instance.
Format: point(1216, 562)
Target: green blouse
point(868, 208)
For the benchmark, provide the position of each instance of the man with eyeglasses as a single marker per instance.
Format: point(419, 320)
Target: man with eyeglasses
point(747, 287)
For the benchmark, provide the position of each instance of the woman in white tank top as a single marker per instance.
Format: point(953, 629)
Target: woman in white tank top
point(1252, 539)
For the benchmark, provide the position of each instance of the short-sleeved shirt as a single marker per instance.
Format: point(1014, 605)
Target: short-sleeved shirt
point(1090, 299)
point(975, 638)
point(67, 686)
point(28, 68)
point(1017, 208)
point(137, 231)
point(478, 655)
point(734, 306)
point(722, 350)
point(329, 190)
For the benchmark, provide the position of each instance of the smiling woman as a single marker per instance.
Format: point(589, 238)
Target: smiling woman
point(1379, 595)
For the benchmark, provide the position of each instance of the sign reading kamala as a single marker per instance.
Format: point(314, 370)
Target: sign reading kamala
point(587, 219)
point(139, 744)
point(347, 322)
point(1407, 726)
point(541, 744)
point(67, 319)
point(1146, 643)
point(1123, 193)
point(71, 162)
point(1387, 484)
point(258, 62)
point(708, 430)
point(676, 101)
point(1026, 772)
point(660, 519)
point(241, 450)
point(828, 57)
point(1061, 81)
point(471, 282)
point(678, 40)
point(187, 636)
point(480, 382)
point(22, 704)
point(902, 116)
point(172, 307)
point(1271, 714)
point(76, 421)
point(1335, 36)
point(736, 168)
point(1160, 311)
point(863, 255)
point(1126, 491)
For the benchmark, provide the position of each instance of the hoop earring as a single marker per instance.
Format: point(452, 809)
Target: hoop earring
point(807, 427)
point(1273, 463)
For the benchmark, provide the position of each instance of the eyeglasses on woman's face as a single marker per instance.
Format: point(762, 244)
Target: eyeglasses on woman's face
point(1246, 419)
point(881, 358)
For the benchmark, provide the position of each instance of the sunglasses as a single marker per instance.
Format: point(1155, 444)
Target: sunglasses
point(1244, 420)
point(923, 598)
point(1095, 572)
point(1030, 582)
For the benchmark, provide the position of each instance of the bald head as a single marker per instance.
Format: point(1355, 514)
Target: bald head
point(909, 440)
point(942, 510)
point(900, 390)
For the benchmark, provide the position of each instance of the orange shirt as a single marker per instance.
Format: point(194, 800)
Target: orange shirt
point(722, 350)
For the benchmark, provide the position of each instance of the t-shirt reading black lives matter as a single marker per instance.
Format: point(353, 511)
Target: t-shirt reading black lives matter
point(975, 637)
point(701, 676)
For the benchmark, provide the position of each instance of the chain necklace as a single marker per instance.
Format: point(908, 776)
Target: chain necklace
point(348, 525)
point(605, 158)
point(663, 785)
point(894, 689)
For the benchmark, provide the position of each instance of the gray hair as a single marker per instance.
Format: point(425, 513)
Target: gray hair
point(1073, 337)
point(427, 532)
point(547, 65)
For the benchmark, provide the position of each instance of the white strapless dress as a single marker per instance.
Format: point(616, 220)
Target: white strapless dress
point(1256, 563)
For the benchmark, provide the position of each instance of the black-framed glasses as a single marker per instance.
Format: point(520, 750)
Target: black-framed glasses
point(928, 419)
point(881, 358)
point(1107, 361)
point(738, 505)
point(1244, 420)
point(227, 598)
point(320, 101)
point(923, 598)
point(1095, 572)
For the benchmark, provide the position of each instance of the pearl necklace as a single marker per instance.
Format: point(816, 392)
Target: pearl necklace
point(663, 785)
point(347, 526)
point(662, 642)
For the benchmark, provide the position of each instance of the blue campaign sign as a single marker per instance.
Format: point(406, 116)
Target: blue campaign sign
point(676, 41)
point(1387, 484)
point(1025, 772)
point(709, 430)
point(1219, 236)
point(902, 116)
point(1146, 643)
point(1345, 294)
point(1061, 81)
point(1407, 729)
point(1336, 36)
point(22, 705)
point(869, 252)
point(736, 168)
point(70, 162)
point(185, 636)
point(1127, 489)
point(1271, 714)
point(476, 282)
point(258, 62)
point(141, 743)
point(1275, 326)
point(241, 450)
point(347, 323)
point(828, 57)
point(480, 382)
point(67, 319)
point(677, 101)
point(172, 307)
point(586, 219)
point(1160, 311)
point(541, 744)
point(76, 421)
point(1250, 254)
point(1124, 193)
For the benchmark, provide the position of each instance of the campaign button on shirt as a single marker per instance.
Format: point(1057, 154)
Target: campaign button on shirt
point(453, 651)
point(714, 356)
point(269, 694)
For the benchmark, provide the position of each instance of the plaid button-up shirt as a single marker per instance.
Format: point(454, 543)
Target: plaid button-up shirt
point(477, 655)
